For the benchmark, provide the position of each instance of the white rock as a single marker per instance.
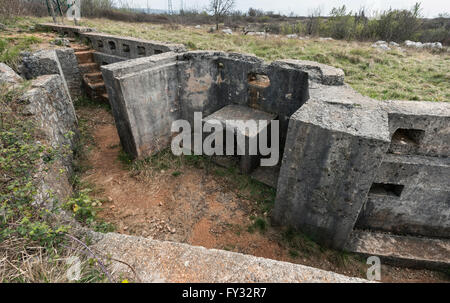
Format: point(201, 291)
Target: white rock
point(383, 47)
point(198, 26)
point(292, 36)
point(392, 43)
point(256, 33)
point(227, 31)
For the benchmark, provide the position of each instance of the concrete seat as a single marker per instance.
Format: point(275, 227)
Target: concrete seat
point(231, 117)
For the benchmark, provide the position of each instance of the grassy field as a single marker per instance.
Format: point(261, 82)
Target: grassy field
point(408, 75)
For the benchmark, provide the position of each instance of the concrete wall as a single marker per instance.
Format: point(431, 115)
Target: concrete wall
point(334, 146)
point(348, 161)
point(60, 61)
point(49, 108)
point(127, 47)
point(411, 192)
point(199, 81)
point(114, 48)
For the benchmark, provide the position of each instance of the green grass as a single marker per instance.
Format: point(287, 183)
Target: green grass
point(10, 48)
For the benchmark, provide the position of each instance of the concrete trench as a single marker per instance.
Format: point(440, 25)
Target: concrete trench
point(365, 176)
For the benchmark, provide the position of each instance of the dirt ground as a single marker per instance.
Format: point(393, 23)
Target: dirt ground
point(195, 206)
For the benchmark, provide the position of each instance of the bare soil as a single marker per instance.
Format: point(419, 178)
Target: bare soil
point(195, 206)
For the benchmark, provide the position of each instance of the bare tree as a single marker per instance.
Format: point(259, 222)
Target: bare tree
point(220, 8)
point(313, 22)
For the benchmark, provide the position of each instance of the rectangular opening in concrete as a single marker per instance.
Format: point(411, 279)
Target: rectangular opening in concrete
point(141, 50)
point(406, 141)
point(386, 189)
point(100, 43)
point(126, 48)
point(157, 51)
point(112, 45)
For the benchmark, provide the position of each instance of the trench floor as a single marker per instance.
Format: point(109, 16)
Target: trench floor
point(198, 205)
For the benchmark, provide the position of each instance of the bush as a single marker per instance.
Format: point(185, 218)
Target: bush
point(11, 9)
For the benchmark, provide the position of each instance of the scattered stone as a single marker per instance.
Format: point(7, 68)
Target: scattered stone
point(256, 33)
point(409, 43)
point(292, 36)
point(392, 43)
point(227, 31)
point(326, 39)
point(382, 45)
point(428, 45)
point(61, 42)
point(7, 75)
point(198, 26)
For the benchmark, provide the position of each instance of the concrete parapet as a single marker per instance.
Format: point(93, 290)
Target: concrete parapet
point(127, 47)
point(332, 153)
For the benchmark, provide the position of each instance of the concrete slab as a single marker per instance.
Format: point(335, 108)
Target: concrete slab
point(231, 115)
point(402, 251)
point(158, 261)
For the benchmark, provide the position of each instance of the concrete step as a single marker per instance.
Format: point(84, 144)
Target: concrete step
point(96, 92)
point(88, 68)
point(398, 250)
point(80, 48)
point(95, 77)
point(98, 87)
point(85, 56)
point(104, 98)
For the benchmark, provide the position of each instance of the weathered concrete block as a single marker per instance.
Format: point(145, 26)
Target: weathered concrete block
point(331, 156)
point(397, 250)
point(48, 62)
point(70, 71)
point(50, 105)
point(410, 195)
point(130, 89)
point(318, 72)
point(421, 128)
point(49, 102)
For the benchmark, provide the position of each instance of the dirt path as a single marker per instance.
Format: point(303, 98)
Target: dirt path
point(195, 207)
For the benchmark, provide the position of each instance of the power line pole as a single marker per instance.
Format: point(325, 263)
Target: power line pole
point(170, 7)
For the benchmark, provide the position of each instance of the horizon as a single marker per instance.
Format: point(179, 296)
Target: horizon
point(430, 8)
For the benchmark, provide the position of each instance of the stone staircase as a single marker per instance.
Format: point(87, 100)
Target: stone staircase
point(92, 76)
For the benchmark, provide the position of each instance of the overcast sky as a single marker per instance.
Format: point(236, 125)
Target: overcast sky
point(431, 8)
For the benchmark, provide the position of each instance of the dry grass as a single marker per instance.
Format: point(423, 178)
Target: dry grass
point(25, 262)
point(408, 75)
